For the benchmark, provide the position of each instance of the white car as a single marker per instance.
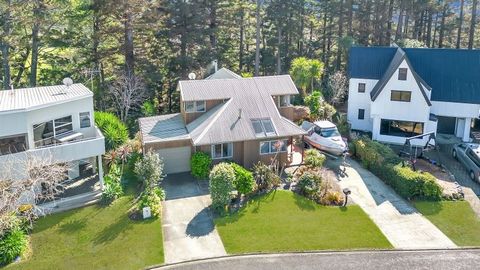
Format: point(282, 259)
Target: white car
point(324, 136)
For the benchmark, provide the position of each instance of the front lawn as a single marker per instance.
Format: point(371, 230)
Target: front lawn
point(94, 237)
point(284, 221)
point(455, 219)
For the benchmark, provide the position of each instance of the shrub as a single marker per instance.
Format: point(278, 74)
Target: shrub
point(244, 182)
point(332, 198)
point(314, 158)
point(310, 184)
point(383, 162)
point(149, 170)
point(114, 130)
point(265, 177)
point(113, 188)
point(12, 244)
point(200, 164)
point(222, 178)
point(374, 154)
point(153, 200)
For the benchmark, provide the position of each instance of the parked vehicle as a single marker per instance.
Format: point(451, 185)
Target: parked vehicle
point(469, 155)
point(324, 136)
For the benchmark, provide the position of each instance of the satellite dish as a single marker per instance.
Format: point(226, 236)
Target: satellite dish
point(67, 81)
point(192, 76)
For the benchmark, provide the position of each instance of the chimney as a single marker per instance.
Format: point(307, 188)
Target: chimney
point(215, 65)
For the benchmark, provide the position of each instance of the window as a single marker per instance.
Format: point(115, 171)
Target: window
point(195, 106)
point(400, 128)
point(44, 133)
point(284, 101)
point(473, 157)
point(13, 144)
point(223, 150)
point(402, 74)
point(63, 125)
point(404, 96)
point(361, 88)
point(85, 120)
point(263, 127)
point(361, 114)
point(272, 147)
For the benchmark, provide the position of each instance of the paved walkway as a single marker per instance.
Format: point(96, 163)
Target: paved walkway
point(403, 226)
point(188, 229)
point(392, 260)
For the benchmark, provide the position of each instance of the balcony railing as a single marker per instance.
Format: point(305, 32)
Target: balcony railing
point(89, 145)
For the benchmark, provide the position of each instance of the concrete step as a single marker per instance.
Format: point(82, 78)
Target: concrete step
point(69, 203)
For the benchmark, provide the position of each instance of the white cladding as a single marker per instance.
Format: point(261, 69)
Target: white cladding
point(417, 110)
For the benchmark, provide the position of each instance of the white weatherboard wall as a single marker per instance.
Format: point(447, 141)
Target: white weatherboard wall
point(358, 101)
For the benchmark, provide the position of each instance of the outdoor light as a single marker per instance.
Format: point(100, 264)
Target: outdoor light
point(347, 192)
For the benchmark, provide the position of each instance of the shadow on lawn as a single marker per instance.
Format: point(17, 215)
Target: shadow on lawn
point(112, 231)
point(428, 208)
point(72, 226)
point(303, 203)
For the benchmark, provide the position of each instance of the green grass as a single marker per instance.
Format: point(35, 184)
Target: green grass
point(94, 237)
point(284, 221)
point(455, 219)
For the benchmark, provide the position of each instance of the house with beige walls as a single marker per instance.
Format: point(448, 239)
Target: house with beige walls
point(244, 120)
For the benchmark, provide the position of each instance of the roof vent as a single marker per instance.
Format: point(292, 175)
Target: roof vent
point(192, 76)
point(13, 90)
point(239, 113)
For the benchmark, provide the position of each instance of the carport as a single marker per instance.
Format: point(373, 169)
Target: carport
point(168, 136)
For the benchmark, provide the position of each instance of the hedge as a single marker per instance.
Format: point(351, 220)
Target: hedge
point(382, 161)
point(200, 164)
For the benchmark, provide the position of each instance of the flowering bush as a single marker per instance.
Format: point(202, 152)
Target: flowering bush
point(222, 178)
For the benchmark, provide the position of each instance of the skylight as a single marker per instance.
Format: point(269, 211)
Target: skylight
point(263, 128)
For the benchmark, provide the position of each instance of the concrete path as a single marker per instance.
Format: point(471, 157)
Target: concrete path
point(188, 229)
point(403, 226)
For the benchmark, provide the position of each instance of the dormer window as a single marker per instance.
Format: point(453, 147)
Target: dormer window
point(195, 106)
point(402, 74)
point(263, 128)
point(284, 101)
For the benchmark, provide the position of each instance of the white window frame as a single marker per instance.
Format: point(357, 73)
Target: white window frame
point(212, 150)
point(270, 152)
point(196, 106)
point(89, 119)
point(54, 127)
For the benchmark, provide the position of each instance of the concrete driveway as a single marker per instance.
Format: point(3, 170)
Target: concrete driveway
point(188, 229)
point(399, 221)
point(444, 156)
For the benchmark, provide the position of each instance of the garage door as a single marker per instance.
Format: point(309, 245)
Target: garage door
point(176, 159)
point(446, 125)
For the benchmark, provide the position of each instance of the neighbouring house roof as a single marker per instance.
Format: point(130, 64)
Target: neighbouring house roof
point(246, 100)
point(224, 88)
point(452, 74)
point(223, 73)
point(397, 59)
point(162, 128)
point(37, 97)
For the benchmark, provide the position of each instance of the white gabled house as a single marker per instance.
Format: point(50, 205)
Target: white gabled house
point(397, 93)
point(55, 122)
